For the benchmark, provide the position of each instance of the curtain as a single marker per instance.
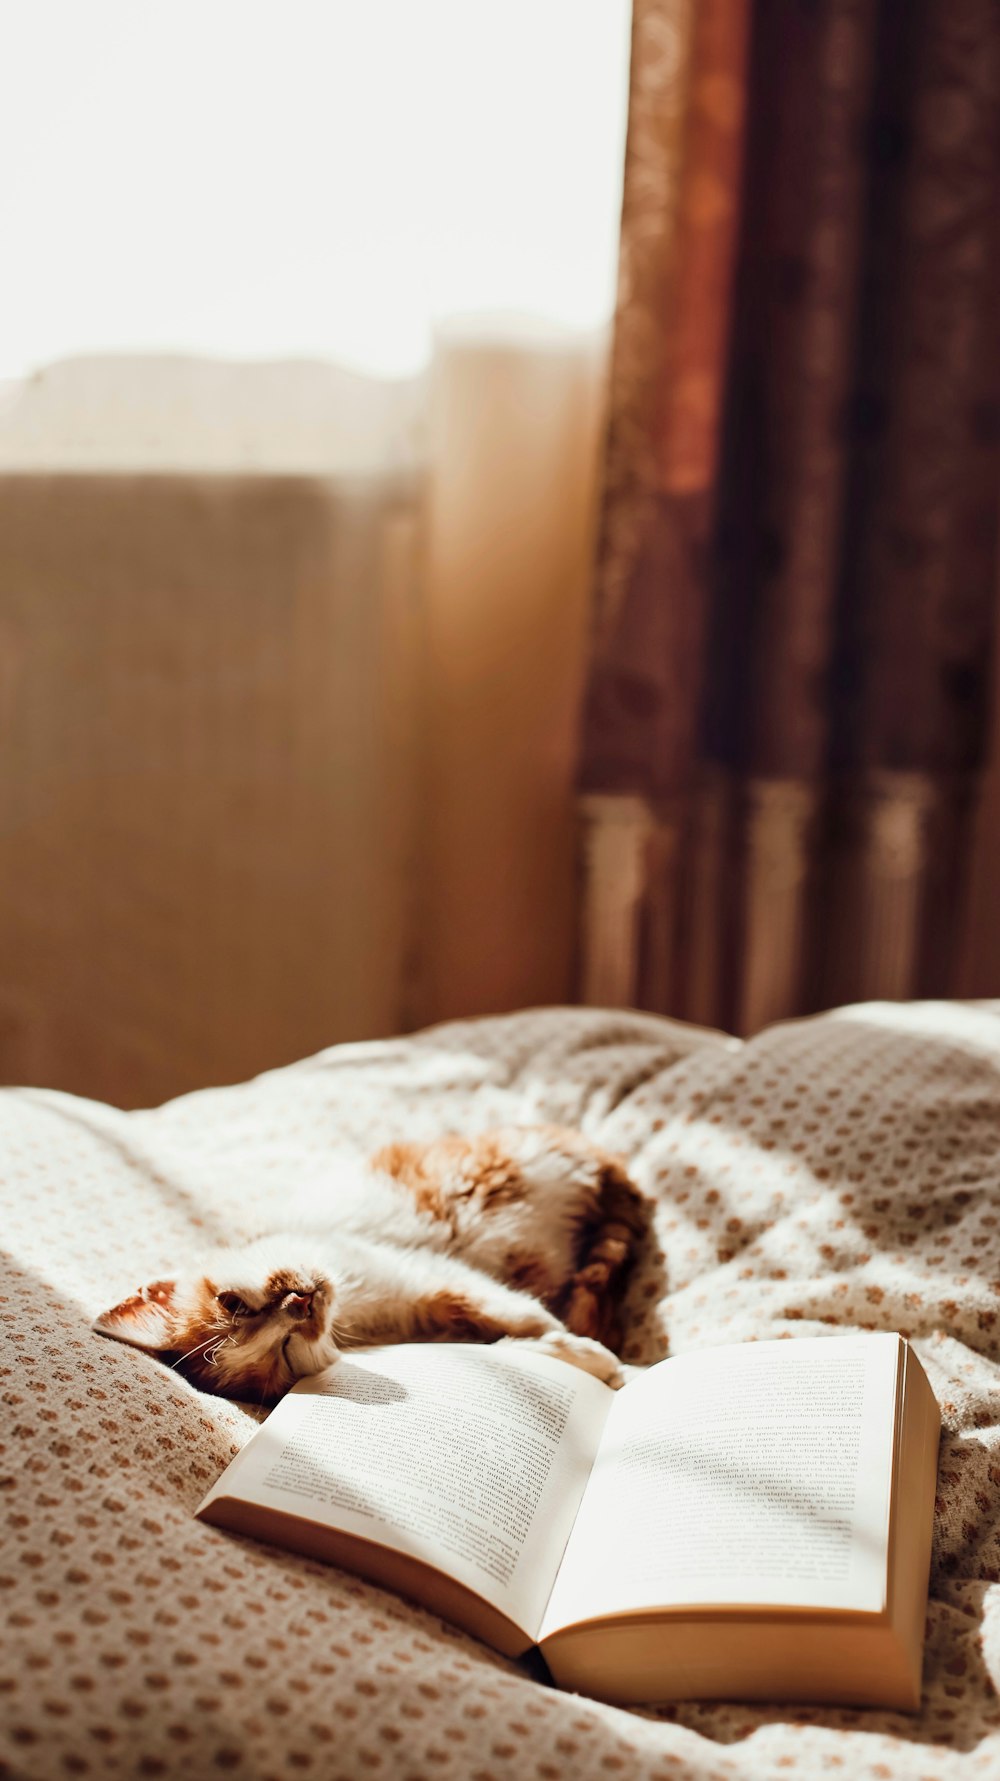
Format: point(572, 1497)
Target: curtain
point(790, 664)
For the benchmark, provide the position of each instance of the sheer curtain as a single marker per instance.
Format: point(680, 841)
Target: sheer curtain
point(355, 259)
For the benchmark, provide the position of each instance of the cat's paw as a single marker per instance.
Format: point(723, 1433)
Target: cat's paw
point(580, 1351)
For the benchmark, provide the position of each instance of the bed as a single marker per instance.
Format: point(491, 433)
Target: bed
point(839, 1172)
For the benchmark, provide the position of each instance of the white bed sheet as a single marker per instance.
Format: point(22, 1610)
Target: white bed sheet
point(836, 1173)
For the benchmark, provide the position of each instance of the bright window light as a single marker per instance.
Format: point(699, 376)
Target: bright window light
point(267, 179)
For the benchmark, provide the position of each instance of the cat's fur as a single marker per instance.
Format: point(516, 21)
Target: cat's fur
point(525, 1233)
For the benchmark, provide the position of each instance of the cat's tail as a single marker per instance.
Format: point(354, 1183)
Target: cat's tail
point(591, 1303)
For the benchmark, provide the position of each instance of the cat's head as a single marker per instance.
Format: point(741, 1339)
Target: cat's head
point(244, 1326)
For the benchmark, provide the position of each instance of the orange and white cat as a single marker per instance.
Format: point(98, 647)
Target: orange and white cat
point(524, 1233)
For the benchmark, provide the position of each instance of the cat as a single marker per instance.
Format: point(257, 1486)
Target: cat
point(524, 1233)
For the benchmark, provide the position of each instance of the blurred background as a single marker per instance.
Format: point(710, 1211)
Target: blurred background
point(497, 506)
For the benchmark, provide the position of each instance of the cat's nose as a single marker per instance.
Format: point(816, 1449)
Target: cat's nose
point(299, 1304)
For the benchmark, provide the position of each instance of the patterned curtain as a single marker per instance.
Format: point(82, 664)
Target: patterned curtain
point(797, 568)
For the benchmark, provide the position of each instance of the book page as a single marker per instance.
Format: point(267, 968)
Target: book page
point(472, 1459)
point(752, 1475)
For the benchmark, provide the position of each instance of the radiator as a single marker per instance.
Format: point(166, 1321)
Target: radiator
point(207, 779)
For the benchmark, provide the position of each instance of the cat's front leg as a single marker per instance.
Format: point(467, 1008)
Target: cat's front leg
point(480, 1311)
point(579, 1351)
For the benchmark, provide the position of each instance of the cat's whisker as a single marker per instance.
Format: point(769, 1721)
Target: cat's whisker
point(195, 1350)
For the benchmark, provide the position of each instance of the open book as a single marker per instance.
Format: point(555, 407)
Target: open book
point(743, 1522)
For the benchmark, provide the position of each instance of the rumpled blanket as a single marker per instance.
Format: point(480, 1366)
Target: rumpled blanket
point(836, 1173)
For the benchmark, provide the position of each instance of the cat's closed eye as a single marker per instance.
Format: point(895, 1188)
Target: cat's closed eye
point(237, 1307)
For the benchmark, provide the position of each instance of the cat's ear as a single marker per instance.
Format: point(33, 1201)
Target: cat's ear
point(148, 1318)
